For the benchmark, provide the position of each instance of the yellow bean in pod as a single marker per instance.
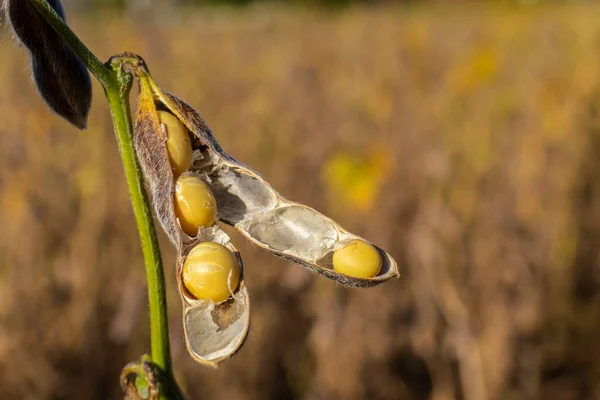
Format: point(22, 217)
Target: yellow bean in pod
point(211, 271)
point(179, 145)
point(358, 259)
point(195, 204)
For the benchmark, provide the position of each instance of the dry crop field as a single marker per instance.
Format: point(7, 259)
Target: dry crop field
point(464, 141)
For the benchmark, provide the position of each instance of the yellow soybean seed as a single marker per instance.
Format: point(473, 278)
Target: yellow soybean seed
point(195, 205)
point(179, 145)
point(211, 271)
point(357, 259)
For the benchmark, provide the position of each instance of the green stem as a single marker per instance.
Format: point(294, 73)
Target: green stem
point(121, 115)
point(116, 81)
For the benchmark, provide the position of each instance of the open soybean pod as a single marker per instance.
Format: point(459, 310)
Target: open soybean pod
point(284, 228)
point(214, 330)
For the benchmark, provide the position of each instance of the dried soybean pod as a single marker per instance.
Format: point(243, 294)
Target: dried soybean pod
point(61, 78)
point(246, 201)
point(214, 331)
point(151, 149)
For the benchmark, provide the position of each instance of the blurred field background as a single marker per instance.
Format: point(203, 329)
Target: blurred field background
point(463, 139)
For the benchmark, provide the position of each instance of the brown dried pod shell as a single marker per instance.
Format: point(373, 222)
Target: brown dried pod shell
point(246, 201)
point(62, 79)
point(213, 331)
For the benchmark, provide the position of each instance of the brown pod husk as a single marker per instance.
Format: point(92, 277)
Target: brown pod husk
point(61, 78)
point(246, 201)
point(150, 139)
point(213, 331)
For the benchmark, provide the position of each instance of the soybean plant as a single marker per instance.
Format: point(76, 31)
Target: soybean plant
point(193, 184)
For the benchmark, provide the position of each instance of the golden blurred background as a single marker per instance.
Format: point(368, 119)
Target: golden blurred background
point(464, 140)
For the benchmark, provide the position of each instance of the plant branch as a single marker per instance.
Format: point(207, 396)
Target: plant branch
point(118, 101)
point(116, 81)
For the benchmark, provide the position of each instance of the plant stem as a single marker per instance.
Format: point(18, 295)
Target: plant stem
point(116, 81)
point(121, 115)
